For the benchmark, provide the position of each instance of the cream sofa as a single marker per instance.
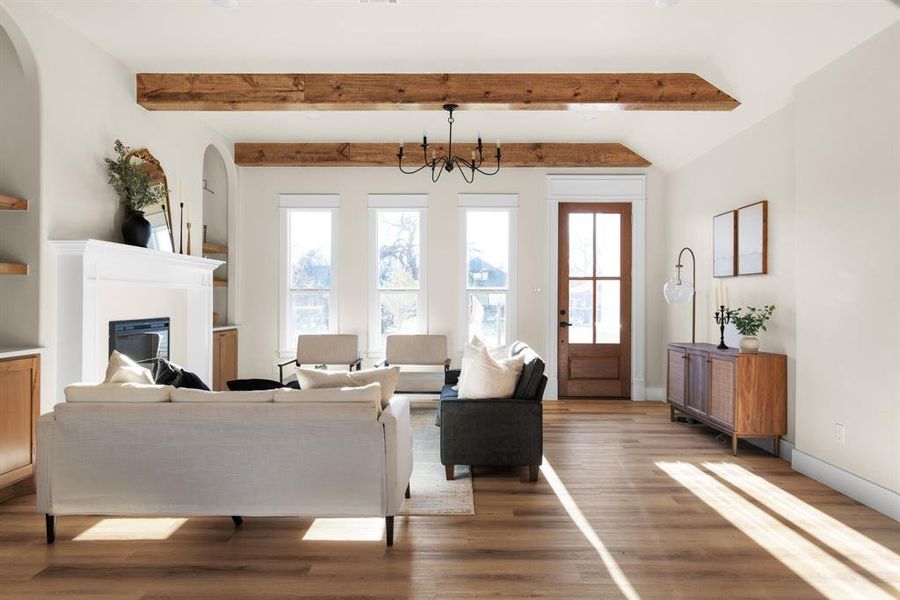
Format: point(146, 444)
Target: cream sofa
point(151, 450)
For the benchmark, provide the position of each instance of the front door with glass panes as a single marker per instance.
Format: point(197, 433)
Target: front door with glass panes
point(594, 310)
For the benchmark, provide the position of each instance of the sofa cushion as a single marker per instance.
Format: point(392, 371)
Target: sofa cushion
point(194, 395)
point(118, 392)
point(367, 395)
point(485, 377)
point(121, 369)
point(532, 371)
point(449, 392)
point(387, 377)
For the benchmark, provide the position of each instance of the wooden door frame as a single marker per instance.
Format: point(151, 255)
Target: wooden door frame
point(600, 189)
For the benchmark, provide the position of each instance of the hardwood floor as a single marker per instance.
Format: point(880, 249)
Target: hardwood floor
point(628, 505)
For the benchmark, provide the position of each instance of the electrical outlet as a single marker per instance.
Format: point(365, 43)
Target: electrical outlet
point(839, 433)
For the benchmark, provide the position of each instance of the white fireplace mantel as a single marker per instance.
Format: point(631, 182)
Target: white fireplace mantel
point(91, 272)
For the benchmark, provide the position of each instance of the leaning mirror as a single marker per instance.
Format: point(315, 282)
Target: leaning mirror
point(160, 213)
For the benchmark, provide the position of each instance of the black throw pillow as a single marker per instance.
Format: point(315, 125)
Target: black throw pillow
point(166, 373)
point(250, 385)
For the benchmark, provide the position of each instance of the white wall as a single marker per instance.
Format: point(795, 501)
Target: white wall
point(258, 222)
point(87, 102)
point(828, 164)
point(756, 165)
point(848, 261)
point(19, 177)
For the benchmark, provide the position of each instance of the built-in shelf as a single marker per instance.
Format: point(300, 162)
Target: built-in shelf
point(11, 203)
point(220, 283)
point(13, 269)
point(210, 248)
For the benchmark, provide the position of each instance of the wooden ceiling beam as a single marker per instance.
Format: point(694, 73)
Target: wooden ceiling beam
point(249, 154)
point(417, 91)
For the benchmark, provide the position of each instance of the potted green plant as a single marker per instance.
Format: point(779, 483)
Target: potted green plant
point(133, 186)
point(749, 321)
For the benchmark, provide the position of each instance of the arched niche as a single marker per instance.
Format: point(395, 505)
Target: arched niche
point(20, 178)
point(217, 227)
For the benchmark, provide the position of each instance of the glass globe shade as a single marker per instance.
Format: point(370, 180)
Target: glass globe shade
point(678, 290)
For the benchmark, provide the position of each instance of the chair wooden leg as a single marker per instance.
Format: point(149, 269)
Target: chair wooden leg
point(389, 530)
point(533, 472)
point(50, 522)
point(238, 521)
point(407, 491)
point(671, 413)
point(450, 469)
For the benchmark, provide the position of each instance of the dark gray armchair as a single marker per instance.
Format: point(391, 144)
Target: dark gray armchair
point(495, 432)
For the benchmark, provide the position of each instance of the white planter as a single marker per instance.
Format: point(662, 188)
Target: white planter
point(749, 344)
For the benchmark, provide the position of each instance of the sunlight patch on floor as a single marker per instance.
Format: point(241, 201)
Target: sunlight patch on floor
point(587, 531)
point(125, 529)
point(868, 554)
point(346, 530)
point(826, 574)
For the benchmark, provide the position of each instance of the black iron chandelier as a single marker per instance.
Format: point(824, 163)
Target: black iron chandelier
point(439, 164)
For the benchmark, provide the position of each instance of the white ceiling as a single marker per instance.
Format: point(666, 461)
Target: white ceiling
point(754, 50)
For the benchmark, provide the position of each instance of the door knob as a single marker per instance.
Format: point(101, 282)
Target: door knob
point(565, 324)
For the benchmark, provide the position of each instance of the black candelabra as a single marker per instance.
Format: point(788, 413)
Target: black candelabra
point(723, 318)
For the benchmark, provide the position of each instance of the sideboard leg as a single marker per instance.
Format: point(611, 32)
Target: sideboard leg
point(671, 413)
point(238, 521)
point(777, 445)
point(734, 444)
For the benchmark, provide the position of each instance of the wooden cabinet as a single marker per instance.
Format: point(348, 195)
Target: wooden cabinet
point(225, 358)
point(20, 405)
point(743, 395)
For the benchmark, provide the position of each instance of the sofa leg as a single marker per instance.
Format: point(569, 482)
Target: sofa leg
point(50, 521)
point(238, 521)
point(407, 491)
point(389, 530)
point(450, 469)
point(533, 472)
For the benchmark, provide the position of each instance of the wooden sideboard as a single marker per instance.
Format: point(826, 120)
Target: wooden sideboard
point(20, 405)
point(743, 395)
point(225, 358)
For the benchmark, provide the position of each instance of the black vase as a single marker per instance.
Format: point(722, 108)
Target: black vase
point(136, 229)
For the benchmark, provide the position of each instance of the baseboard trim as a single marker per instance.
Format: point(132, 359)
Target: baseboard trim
point(656, 394)
point(862, 490)
point(785, 448)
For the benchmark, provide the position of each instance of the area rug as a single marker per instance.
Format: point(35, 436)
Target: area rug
point(431, 493)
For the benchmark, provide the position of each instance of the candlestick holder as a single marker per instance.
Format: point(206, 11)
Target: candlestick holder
point(181, 228)
point(189, 238)
point(723, 318)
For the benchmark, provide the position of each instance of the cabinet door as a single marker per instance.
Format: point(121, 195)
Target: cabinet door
point(19, 407)
point(229, 356)
point(698, 381)
point(676, 380)
point(721, 389)
point(217, 362)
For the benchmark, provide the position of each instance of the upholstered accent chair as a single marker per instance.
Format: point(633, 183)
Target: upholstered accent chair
point(495, 432)
point(422, 359)
point(325, 349)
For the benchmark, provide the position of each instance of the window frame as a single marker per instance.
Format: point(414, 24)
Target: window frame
point(501, 203)
point(289, 204)
point(396, 203)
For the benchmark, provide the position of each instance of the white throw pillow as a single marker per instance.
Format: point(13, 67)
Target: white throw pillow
point(192, 395)
point(488, 378)
point(118, 392)
point(471, 350)
point(122, 369)
point(386, 376)
point(368, 394)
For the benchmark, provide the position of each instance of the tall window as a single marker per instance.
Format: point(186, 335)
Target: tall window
point(398, 265)
point(308, 292)
point(488, 233)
